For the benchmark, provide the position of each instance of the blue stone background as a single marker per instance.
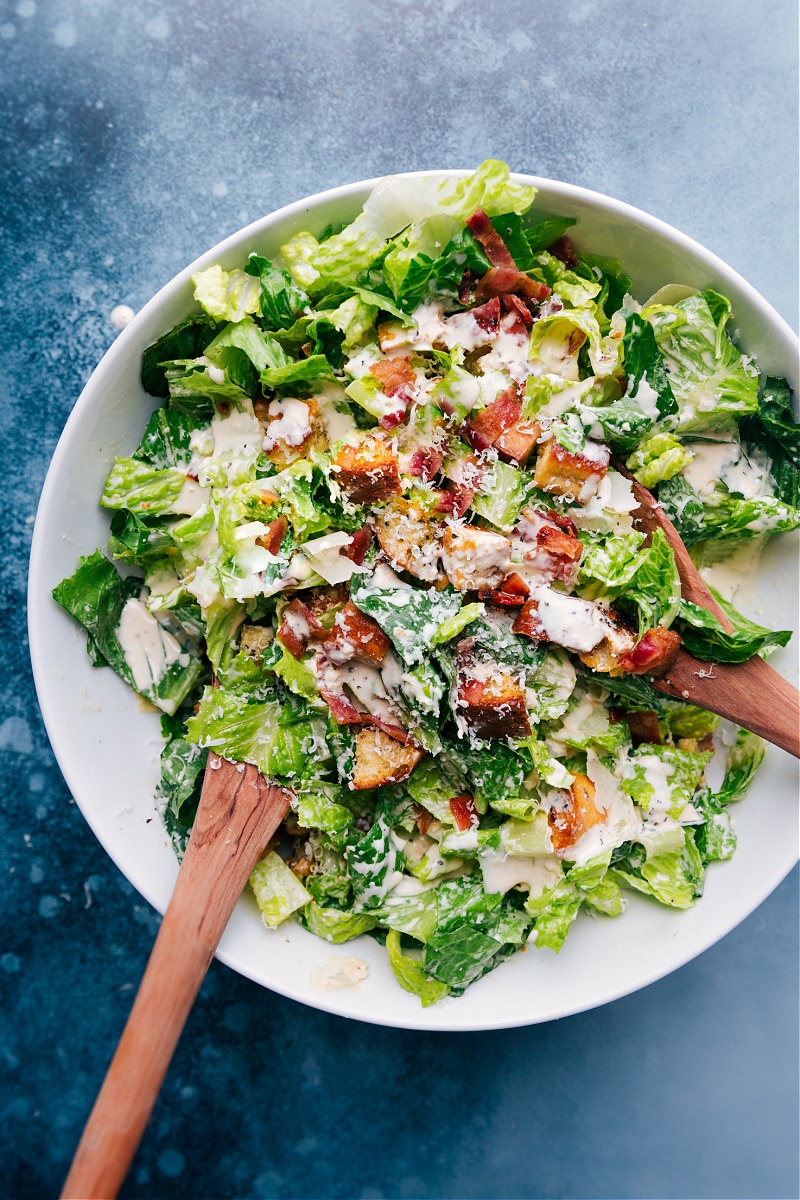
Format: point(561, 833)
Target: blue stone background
point(133, 137)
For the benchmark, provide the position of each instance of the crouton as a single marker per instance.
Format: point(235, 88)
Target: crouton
point(653, 654)
point(255, 639)
point(368, 472)
point(355, 635)
point(379, 759)
point(517, 443)
point(572, 814)
point(474, 559)
point(607, 656)
point(291, 429)
point(410, 539)
point(492, 703)
point(564, 473)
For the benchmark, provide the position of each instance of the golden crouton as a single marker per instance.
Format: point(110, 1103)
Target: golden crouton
point(255, 639)
point(563, 473)
point(355, 635)
point(517, 443)
point(573, 813)
point(410, 539)
point(495, 707)
point(475, 559)
point(368, 472)
point(379, 759)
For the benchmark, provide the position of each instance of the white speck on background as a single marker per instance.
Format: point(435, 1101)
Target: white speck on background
point(158, 28)
point(65, 34)
point(220, 189)
point(16, 735)
point(122, 315)
point(26, 8)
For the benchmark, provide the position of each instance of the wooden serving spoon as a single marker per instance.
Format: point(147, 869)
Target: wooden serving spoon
point(751, 694)
point(237, 815)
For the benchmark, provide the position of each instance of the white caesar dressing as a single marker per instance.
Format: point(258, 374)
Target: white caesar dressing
point(621, 821)
point(148, 648)
point(647, 399)
point(726, 462)
point(291, 423)
point(570, 622)
point(502, 871)
point(191, 497)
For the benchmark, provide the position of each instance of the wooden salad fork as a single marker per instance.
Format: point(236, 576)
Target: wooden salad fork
point(238, 813)
point(751, 694)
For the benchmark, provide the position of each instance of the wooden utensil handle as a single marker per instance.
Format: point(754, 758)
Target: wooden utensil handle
point(751, 694)
point(238, 813)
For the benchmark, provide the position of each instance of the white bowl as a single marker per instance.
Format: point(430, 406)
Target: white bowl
point(107, 745)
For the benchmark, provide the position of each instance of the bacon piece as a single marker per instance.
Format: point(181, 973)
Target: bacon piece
point(653, 654)
point(484, 232)
point(563, 251)
point(514, 305)
point(360, 544)
point(344, 712)
point(528, 623)
point(464, 814)
point(424, 819)
point(560, 544)
point(455, 498)
point(513, 591)
point(498, 281)
point(276, 532)
point(425, 462)
point(644, 727)
point(487, 315)
point(322, 599)
point(298, 626)
point(563, 521)
point(394, 374)
point(483, 430)
point(355, 635)
point(517, 443)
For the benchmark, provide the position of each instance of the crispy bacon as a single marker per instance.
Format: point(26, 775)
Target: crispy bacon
point(298, 625)
point(499, 281)
point(455, 498)
point(425, 462)
point(512, 592)
point(393, 374)
point(653, 654)
point(514, 305)
point(487, 315)
point(566, 523)
point(358, 547)
point(464, 814)
point(483, 430)
point(495, 248)
point(342, 710)
point(276, 532)
point(563, 251)
point(560, 544)
point(528, 622)
point(424, 819)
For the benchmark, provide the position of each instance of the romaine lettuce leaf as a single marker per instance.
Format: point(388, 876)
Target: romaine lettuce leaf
point(410, 974)
point(277, 889)
point(705, 638)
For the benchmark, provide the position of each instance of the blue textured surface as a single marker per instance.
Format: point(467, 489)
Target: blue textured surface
point(135, 136)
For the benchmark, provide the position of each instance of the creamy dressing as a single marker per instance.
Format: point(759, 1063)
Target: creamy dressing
point(324, 556)
point(291, 423)
point(148, 648)
point(726, 462)
point(647, 399)
point(502, 872)
point(568, 621)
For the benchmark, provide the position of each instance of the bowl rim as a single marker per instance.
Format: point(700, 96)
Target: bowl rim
point(118, 348)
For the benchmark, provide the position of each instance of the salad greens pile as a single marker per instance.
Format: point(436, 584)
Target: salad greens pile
point(379, 540)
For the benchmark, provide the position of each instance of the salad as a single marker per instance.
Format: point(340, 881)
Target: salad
point(379, 540)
